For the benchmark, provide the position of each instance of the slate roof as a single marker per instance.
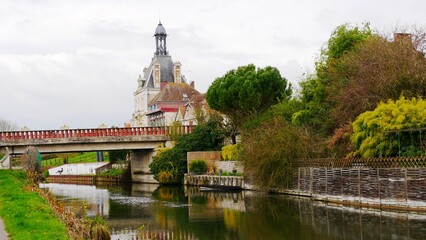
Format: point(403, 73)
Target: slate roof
point(160, 29)
point(175, 92)
point(166, 70)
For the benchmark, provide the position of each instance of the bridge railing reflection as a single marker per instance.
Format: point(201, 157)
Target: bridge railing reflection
point(160, 234)
point(93, 132)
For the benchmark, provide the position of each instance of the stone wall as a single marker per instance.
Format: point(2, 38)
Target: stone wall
point(382, 187)
point(213, 160)
point(229, 166)
point(209, 157)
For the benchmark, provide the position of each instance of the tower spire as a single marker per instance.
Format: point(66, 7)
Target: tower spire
point(160, 40)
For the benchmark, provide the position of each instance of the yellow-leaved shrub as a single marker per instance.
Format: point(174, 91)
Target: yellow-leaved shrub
point(230, 152)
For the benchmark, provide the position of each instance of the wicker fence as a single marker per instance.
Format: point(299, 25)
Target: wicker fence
point(387, 162)
point(382, 187)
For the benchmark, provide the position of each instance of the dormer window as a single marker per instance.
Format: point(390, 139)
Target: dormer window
point(185, 97)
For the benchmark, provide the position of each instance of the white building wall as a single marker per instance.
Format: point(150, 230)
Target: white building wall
point(77, 169)
point(142, 99)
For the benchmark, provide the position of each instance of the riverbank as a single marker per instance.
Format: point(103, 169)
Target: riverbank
point(26, 215)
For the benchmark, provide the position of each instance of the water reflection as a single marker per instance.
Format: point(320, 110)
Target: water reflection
point(97, 199)
point(141, 211)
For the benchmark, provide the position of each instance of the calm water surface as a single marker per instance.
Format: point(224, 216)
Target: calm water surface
point(141, 211)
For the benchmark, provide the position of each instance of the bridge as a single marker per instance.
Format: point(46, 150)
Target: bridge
point(141, 141)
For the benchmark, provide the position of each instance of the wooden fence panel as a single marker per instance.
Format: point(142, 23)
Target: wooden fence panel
point(305, 179)
point(392, 185)
point(416, 184)
point(396, 187)
point(350, 186)
point(368, 184)
point(334, 182)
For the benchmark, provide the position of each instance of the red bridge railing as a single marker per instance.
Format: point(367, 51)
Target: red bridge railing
point(93, 132)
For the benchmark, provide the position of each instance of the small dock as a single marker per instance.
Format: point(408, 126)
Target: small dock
point(215, 182)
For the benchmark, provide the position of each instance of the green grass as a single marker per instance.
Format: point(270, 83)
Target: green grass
point(26, 215)
point(112, 172)
point(73, 158)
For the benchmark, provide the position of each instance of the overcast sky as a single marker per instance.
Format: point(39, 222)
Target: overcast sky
point(77, 62)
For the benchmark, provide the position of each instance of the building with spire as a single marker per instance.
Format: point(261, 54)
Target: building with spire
point(162, 89)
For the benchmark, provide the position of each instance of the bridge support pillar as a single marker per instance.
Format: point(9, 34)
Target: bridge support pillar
point(5, 161)
point(139, 164)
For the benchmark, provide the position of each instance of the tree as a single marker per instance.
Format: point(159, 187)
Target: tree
point(316, 90)
point(246, 92)
point(392, 128)
point(170, 165)
point(379, 70)
point(31, 163)
point(6, 125)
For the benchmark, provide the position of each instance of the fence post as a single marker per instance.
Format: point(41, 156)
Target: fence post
point(326, 181)
point(406, 190)
point(298, 180)
point(359, 185)
point(311, 187)
point(378, 186)
point(341, 182)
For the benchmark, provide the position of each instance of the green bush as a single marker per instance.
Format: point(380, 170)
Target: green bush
point(270, 151)
point(112, 172)
point(166, 177)
point(171, 161)
point(205, 137)
point(198, 167)
point(117, 156)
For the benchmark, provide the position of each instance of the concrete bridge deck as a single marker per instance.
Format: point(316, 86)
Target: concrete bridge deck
point(74, 140)
point(141, 141)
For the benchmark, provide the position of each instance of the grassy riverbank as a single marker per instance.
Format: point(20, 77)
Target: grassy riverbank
point(26, 214)
point(83, 157)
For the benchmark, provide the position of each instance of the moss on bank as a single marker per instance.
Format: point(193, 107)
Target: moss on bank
point(26, 215)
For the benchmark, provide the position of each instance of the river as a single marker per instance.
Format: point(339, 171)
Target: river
point(146, 211)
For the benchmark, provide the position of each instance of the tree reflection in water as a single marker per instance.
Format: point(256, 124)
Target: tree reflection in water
point(186, 213)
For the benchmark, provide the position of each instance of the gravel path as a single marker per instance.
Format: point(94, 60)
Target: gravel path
point(3, 233)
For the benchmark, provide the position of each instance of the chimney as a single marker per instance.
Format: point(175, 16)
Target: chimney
point(163, 85)
point(192, 84)
point(402, 37)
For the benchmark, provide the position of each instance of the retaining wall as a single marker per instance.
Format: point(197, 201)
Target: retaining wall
point(78, 179)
